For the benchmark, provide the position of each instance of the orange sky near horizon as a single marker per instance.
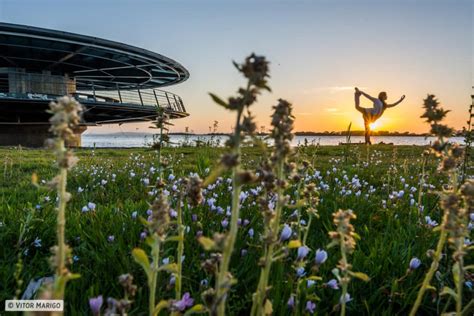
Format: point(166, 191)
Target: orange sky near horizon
point(310, 116)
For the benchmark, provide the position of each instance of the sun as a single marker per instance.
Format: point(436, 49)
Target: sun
point(373, 125)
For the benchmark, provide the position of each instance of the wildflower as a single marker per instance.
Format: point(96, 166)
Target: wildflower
point(126, 281)
point(95, 303)
point(37, 242)
point(430, 222)
point(251, 232)
point(172, 280)
point(185, 302)
point(291, 302)
point(243, 196)
point(85, 209)
point(194, 190)
point(243, 252)
point(300, 272)
point(310, 306)
point(332, 284)
point(285, 233)
point(80, 190)
point(346, 298)
point(224, 223)
point(310, 283)
point(91, 206)
point(302, 252)
point(160, 216)
point(414, 263)
point(282, 122)
point(321, 256)
point(134, 215)
point(111, 238)
point(345, 229)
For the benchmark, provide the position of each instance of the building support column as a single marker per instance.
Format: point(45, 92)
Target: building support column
point(32, 135)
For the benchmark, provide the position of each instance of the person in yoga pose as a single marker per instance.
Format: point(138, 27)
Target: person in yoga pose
point(370, 115)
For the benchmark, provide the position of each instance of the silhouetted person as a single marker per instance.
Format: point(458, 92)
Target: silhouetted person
point(370, 115)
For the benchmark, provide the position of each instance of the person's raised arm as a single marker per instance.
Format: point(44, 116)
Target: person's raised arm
point(366, 95)
point(396, 103)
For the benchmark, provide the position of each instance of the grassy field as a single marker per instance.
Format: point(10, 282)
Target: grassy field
point(381, 185)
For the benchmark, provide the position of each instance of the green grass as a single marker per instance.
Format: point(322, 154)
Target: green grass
point(390, 236)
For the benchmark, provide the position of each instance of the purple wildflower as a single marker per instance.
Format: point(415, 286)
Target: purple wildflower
point(285, 233)
point(225, 223)
point(300, 272)
point(185, 302)
point(332, 284)
point(310, 306)
point(321, 256)
point(302, 252)
point(346, 299)
point(95, 304)
point(414, 263)
point(291, 302)
point(251, 232)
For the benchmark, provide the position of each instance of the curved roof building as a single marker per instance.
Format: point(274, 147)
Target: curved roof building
point(116, 82)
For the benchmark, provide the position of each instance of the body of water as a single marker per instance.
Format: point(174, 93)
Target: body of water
point(145, 140)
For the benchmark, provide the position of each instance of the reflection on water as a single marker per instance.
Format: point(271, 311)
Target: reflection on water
point(145, 140)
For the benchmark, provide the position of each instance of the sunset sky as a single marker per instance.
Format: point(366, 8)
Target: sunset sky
point(319, 51)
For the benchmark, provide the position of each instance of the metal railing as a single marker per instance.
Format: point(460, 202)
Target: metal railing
point(147, 97)
point(38, 87)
